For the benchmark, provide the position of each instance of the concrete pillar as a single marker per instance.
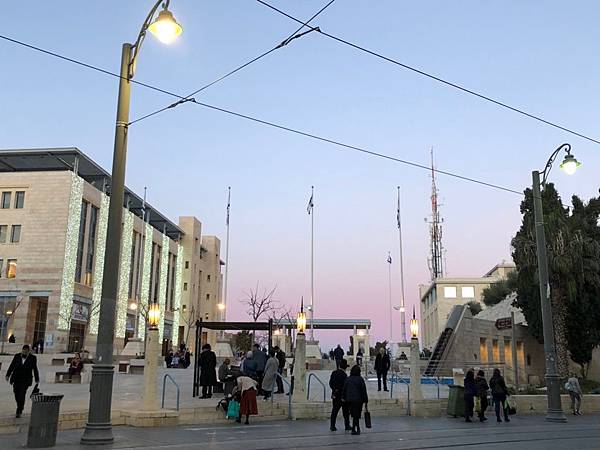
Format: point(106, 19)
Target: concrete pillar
point(300, 369)
point(150, 370)
point(416, 393)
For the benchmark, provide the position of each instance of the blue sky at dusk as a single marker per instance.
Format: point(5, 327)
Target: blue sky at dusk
point(541, 57)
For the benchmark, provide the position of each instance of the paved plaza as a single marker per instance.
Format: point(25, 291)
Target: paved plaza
point(128, 390)
point(531, 432)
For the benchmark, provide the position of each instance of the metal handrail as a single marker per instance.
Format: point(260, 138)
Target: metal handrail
point(396, 379)
point(320, 382)
point(162, 405)
point(277, 374)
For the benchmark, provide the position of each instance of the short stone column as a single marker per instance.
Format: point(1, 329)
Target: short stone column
point(416, 393)
point(300, 369)
point(150, 370)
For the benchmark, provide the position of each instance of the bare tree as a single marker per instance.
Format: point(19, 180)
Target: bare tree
point(260, 303)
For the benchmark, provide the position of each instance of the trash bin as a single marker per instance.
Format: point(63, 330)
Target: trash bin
point(44, 420)
point(456, 400)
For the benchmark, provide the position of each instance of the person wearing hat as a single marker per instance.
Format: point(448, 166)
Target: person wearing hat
point(336, 383)
point(21, 372)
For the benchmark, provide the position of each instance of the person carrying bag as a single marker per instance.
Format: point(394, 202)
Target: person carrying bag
point(367, 416)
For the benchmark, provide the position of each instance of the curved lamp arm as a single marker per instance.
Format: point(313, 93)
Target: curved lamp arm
point(548, 167)
point(142, 34)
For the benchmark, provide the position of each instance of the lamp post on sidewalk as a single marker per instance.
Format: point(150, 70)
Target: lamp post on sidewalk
point(569, 165)
point(98, 429)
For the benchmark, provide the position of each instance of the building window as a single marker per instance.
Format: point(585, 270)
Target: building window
point(134, 243)
point(207, 297)
point(81, 242)
point(208, 278)
point(15, 234)
point(187, 264)
point(1, 268)
point(528, 360)
point(172, 293)
point(450, 292)
point(468, 292)
point(19, 199)
point(7, 308)
point(185, 286)
point(11, 268)
point(3, 231)
point(157, 274)
point(6, 200)
point(89, 265)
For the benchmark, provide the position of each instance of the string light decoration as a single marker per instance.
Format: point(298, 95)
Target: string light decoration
point(124, 272)
point(162, 293)
point(99, 267)
point(177, 299)
point(67, 285)
point(146, 267)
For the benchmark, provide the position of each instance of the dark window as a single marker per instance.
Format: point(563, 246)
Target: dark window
point(185, 286)
point(19, 199)
point(6, 200)
point(207, 297)
point(151, 271)
point(41, 311)
point(15, 234)
point(167, 302)
point(1, 268)
point(132, 263)
point(3, 232)
point(172, 293)
point(187, 264)
point(208, 278)
point(138, 273)
point(157, 275)
point(89, 265)
point(528, 360)
point(81, 242)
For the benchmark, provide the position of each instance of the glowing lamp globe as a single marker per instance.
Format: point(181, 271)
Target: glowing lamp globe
point(165, 28)
point(221, 307)
point(301, 322)
point(153, 316)
point(570, 164)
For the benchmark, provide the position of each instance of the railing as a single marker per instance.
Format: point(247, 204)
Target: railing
point(395, 379)
point(310, 377)
point(289, 395)
point(162, 405)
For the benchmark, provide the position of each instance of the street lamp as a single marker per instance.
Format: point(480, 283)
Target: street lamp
point(153, 316)
point(98, 429)
point(569, 165)
point(301, 319)
point(414, 326)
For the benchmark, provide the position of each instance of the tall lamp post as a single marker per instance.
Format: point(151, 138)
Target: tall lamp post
point(98, 429)
point(569, 165)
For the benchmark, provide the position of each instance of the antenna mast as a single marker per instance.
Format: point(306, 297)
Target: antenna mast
point(436, 259)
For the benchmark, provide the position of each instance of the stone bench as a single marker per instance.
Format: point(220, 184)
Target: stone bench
point(123, 366)
point(62, 376)
point(58, 362)
point(136, 368)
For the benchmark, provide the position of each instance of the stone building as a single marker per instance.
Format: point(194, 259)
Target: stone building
point(53, 221)
point(440, 296)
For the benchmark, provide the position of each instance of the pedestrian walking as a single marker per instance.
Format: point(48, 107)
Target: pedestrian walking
point(336, 383)
point(499, 394)
point(20, 374)
point(268, 385)
point(248, 367)
point(338, 354)
point(281, 365)
point(482, 392)
point(359, 357)
point(355, 394)
point(260, 358)
point(471, 391)
point(574, 389)
point(246, 389)
point(208, 375)
point(382, 365)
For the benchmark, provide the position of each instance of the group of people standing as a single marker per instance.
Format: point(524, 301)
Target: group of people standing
point(477, 390)
point(348, 393)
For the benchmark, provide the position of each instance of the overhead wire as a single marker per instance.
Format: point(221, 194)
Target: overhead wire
point(268, 123)
point(439, 79)
point(283, 43)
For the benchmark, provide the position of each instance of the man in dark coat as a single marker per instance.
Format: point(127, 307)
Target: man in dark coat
point(20, 374)
point(260, 358)
point(355, 395)
point(338, 354)
point(336, 383)
point(382, 365)
point(281, 359)
point(208, 365)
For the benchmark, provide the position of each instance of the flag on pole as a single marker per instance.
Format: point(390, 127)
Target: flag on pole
point(310, 206)
point(389, 260)
point(228, 204)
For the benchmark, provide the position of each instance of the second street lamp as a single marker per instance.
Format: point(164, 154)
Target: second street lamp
point(569, 165)
point(98, 429)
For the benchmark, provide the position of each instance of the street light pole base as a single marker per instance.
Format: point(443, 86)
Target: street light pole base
point(98, 429)
point(97, 434)
point(554, 415)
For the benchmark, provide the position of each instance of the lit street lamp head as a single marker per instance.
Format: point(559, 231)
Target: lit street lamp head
point(221, 306)
point(570, 164)
point(165, 28)
point(153, 316)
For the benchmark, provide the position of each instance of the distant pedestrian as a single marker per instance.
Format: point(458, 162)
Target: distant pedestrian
point(21, 372)
point(338, 354)
point(260, 358)
point(359, 357)
point(268, 385)
point(471, 391)
point(226, 377)
point(246, 389)
point(281, 365)
point(249, 366)
point(499, 394)
point(331, 355)
point(75, 367)
point(574, 390)
point(336, 383)
point(208, 375)
point(482, 387)
point(382, 366)
point(403, 357)
point(355, 394)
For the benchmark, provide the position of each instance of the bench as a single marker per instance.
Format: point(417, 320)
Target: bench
point(63, 377)
point(58, 361)
point(123, 366)
point(136, 368)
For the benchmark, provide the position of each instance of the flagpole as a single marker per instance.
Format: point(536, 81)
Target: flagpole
point(312, 265)
point(224, 311)
point(389, 260)
point(402, 305)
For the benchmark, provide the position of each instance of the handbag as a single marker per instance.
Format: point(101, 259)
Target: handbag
point(233, 410)
point(35, 391)
point(367, 417)
point(477, 404)
point(510, 408)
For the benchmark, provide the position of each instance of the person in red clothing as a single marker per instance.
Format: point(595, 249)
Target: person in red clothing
point(246, 389)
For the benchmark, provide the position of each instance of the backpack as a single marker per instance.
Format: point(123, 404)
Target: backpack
point(569, 386)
